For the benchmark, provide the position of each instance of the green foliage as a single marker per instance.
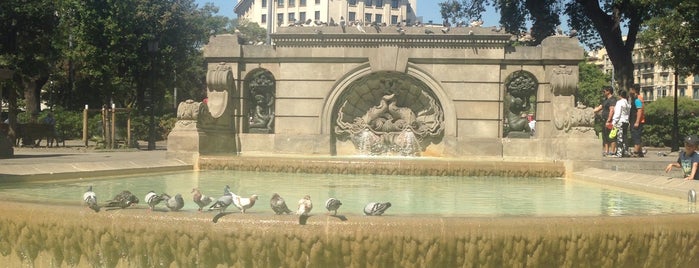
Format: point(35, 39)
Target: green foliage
point(251, 32)
point(591, 81)
point(671, 37)
point(659, 118)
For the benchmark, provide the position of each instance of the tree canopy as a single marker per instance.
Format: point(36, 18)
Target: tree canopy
point(598, 23)
point(672, 37)
point(97, 52)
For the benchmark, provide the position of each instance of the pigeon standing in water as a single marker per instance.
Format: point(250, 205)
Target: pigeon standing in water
point(278, 204)
point(90, 199)
point(174, 204)
point(305, 206)
point(333, 204)
point(153, 199)
point(243, 203)
point(224, 201)
point(376, 208)
point(200, 199)
point(122, 200)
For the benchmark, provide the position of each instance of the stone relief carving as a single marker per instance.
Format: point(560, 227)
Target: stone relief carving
point(520, 101)
point(218, 81)
point(579, 119)
point(217, 111)
point(187, 112)
point(261, 89)
point(563, 80)
point(389, 114)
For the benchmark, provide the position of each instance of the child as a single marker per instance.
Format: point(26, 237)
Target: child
point(688, 159)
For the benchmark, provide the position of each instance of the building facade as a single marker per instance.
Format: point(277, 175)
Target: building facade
point(656, 82)
point(288, 12)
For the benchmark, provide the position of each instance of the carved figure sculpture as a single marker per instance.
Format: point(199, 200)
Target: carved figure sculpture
point(521, 91)
point(261, 113)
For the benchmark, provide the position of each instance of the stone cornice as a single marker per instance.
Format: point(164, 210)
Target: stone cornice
point(389, 36)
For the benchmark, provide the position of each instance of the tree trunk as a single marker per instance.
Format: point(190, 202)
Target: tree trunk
point(618, 49)
point(31, 98)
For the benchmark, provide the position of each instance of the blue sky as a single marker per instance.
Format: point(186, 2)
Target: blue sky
point(428, 9)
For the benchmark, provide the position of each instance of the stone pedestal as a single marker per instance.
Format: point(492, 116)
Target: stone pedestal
point(183, 141)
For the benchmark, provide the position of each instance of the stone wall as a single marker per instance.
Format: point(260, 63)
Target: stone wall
point(465, 69)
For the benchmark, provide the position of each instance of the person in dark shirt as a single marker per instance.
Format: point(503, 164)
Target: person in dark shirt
point(636, 120)
point(606, 111)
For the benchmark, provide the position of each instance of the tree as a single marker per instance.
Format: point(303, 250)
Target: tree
point(27, 29)
point(591, 81)
point(597, 23)
point(672, 37)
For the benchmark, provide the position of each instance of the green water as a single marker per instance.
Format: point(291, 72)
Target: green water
point(439, 196)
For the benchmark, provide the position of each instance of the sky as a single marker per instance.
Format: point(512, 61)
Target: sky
point(427, 9)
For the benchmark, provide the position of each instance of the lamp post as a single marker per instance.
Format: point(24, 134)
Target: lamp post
point(675, 121)
point(153, 50)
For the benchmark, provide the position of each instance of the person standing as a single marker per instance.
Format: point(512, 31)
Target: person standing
point(688, 159)
point(636, 120)
point(620, 120)
point(606, 110)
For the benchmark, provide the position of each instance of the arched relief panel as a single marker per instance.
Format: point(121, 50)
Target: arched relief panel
point(259, 95)
point(385, 113)
point(520, 101)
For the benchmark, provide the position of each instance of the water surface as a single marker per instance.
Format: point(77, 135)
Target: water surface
point(410, 195)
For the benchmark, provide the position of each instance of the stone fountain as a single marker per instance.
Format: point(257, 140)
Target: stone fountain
point(467, 93)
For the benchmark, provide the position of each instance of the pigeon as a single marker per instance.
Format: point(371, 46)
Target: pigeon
point(428, 31)
point(243, 203)
point(497, 29)
point(445, 30)
point(174, 204)
point(377, 27)
point(400, 30)
point(333, 204)
point(153, 199)
point(90, 199)
point(360, 28)
point(200, 199)
point(278, 204)
point(476, 23)
point(122, 200)
point(318, 32)
point(376, 208)
point(559, 30)
point(305, 206)
point(224, 201)
point(343, 24)
point(573, 33)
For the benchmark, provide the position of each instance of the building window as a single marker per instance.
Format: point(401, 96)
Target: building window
point(292, 3)
point(696, 79)
point(681, 91)
point(379, 3)
point(394, 19)
point(367, 3)
point(316, 15)
point(280, 18)
point(302, 16)
point(292, 17)
point(264, 3)
point(367, 17)
point(379, 18)
point(317, 2)
point(302, 3)
point(352, 2)
point(695, 94)
point(352, 16)
point(263, 20)
point(394, 3)
point(280, 3)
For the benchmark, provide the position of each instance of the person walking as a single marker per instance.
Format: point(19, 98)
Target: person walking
point(636, 120)
point(606, 110)
point(620, 120)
